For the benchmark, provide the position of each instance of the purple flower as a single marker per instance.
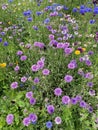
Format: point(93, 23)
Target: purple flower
point(90, 53)
point(45, 72)
point(68, 78)
point(65, 99)
point(23, 58)
point(71, 66)
point(80, 72)
point(24, 79)
point(81, 59)
point(74, 101)
point(17, 68)
point(40, 63)
point(50, 109)
point(92, 92)
point(39, 44)
point(9, 119)
point(35, 28)
point(51, 37)
point(53, 43)
point(0, 39)
point(66, 44)
point(89, 75)
point(19, 53)
point(35, 68)
point(60, 39)
point(29, 95)
point(68, 51)
point(90, 84)
point(58, 91)
point(60, 45)
point(83, 104)
point(36, 80)
point(49, 27)
point(90, 109)
point(14, 85)
point(88, 62)
point(78, 98)
point(33, 117)
point(26, 121)
point(58, 120)
point(5, 43)
point(32, 101)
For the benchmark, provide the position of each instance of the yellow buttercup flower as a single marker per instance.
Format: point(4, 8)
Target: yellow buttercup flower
point(77, 52)
point(3, 65)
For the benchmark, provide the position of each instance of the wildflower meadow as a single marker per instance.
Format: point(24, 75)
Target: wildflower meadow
point(49, 64)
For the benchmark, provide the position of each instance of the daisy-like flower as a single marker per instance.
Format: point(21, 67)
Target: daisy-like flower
point(58, 120)
point(26, 121)
point(9, 119)
point(45, 72)
point(68, 78)
point(29, 94)
point(3, 65)
point(14, 85)
point(66, 100)
point(77, 52)
point(58, 91)
point(23, 79)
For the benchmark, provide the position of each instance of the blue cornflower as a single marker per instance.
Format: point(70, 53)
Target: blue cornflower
point(10, 0)
point(60, 14)
point(5, 44)
point(2, 33)
point(89, 9)
point(92, 21)
point(49, 124)
point(38, 13)
point(0, 39)
point(35, 28)
point(29, 19)
point(75, 10)
point(82, 11)
point(27, 13)
point(47, 20)
point(65, 8)
point(82, 6)
point(96, 10)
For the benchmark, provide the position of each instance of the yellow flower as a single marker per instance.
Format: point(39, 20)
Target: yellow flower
point(84, 49)
point(77, 52)
point(2, 65)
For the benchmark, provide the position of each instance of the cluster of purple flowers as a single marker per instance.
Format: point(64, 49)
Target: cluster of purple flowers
point(58, 40)
point(39, 66)
point(32, 100)
point(32, 118)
